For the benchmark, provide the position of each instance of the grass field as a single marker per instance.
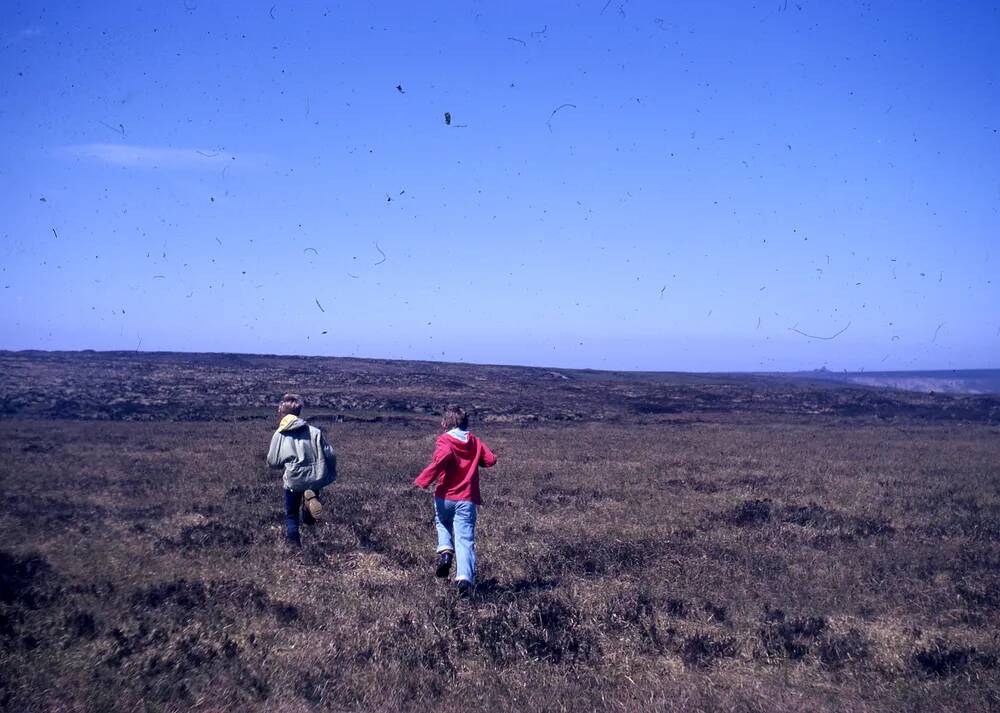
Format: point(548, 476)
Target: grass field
point(668, 559)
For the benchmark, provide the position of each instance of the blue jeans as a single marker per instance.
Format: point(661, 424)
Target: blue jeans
point(455, 521)
point(293, 506)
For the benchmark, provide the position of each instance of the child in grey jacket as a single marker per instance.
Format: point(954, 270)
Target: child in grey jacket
point(309, 464)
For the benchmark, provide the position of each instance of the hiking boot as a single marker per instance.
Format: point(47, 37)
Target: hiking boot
point(464, 588)
point(444, 564)
point(312, 504)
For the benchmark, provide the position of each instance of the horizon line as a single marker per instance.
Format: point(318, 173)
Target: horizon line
point(820, 370)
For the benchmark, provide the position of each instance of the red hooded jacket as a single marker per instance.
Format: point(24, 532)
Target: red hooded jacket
point(455, 467)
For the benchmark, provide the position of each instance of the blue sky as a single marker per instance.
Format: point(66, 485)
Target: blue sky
point(247, 177)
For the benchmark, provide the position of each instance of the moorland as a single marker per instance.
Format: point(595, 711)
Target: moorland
point(648, 541)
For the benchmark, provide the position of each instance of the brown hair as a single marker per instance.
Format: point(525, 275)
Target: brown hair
point(290, 404)
point(455, 417)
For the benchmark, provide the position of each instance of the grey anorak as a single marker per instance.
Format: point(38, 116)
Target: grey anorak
point(309, 462)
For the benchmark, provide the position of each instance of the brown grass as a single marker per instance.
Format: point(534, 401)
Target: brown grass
point(735, 563)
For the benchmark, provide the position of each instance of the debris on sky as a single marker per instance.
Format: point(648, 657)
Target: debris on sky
point(548, 123)
point(314, 250)
point(447, 118)
point(517, 39)
point(936, 332)
point(382, 253)
point(55, 233)
point(621, 7)
point(319, 305)
point(813, 336)
point(120, 129)
point(399, 88)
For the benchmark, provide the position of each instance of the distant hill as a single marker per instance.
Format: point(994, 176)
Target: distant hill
point(952, 381)
point(153, 386)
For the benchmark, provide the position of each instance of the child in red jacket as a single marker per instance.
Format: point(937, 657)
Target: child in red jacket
point(455, 468)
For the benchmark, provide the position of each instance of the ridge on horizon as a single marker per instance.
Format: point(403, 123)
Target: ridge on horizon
point(820, 371)
point(949, 381)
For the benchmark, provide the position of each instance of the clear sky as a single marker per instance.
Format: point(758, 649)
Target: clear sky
point(622, 184)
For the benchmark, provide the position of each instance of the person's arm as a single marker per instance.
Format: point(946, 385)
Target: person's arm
point(430, 474)
point(272, 452)
point(330, 456)
point(488, 459)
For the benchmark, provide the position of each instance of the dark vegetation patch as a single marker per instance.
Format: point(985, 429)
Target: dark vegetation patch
point(177, 663)
point(942, 660)
point(186, 637)
point(647, 407)
point(636, 613)
point(26, 580)
point(676, 608)
point(756, 512)
point(44, 510)
point(372, 538)
point(838, 650)
point(81, 625)
point(979, 594)
point(601, 557)
point(702, 649)
point(714, 613)
point(846, 525)
point(698, 486)
point(548, 630)
point(181, 597)
point(579, 496)
point(791, 639)
point(212, 535)
point(749, 512)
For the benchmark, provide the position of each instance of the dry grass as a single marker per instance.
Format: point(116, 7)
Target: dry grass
point(734, 563)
